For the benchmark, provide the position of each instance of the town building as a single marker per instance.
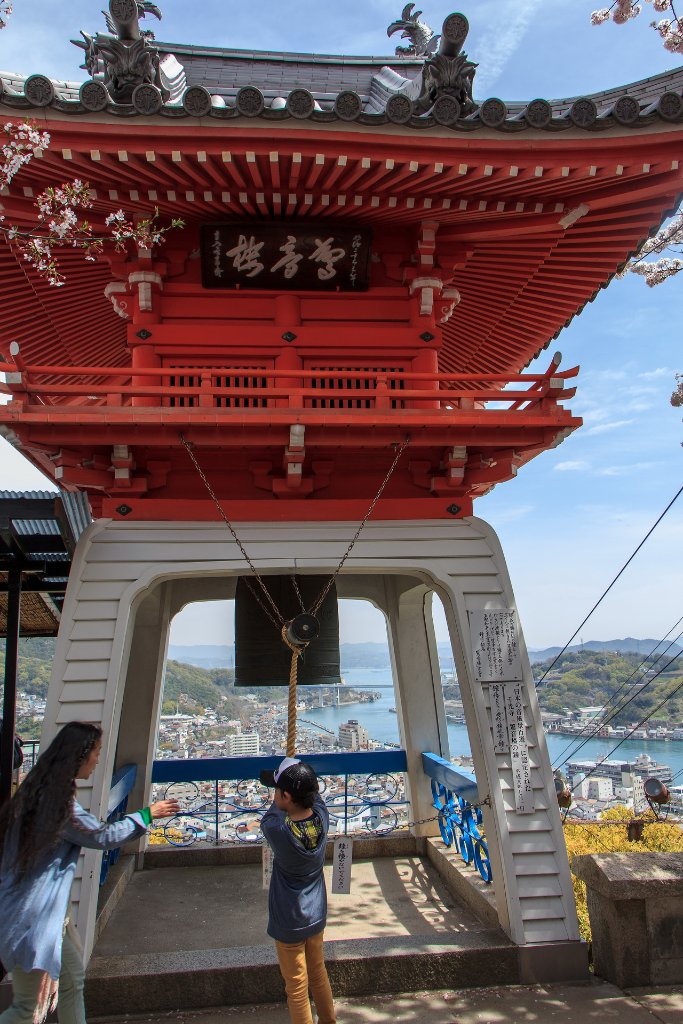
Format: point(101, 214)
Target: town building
point(242, 744)
point(595, 788)
point(353, 736)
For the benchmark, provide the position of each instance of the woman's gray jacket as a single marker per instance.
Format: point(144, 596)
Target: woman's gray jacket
point(33, 907)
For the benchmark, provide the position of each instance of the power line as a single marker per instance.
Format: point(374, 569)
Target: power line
point(591, 728)
point(607, 590)
point(641, 723)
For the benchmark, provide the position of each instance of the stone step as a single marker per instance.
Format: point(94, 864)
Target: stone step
point(575, 1003)
point(189, 980)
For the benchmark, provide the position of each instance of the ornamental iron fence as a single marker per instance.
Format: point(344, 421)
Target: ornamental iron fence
point(223, 802)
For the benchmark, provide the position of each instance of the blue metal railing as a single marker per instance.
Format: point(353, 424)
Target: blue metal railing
point(455, 796)
point(121, 786)
point(30, 749)
point(370, 798)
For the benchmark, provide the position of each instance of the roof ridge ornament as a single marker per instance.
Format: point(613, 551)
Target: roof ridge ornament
point(124, 59)
point(444, 85)
point(423, 40)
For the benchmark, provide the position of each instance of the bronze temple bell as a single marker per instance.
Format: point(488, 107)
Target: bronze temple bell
point(261, 657)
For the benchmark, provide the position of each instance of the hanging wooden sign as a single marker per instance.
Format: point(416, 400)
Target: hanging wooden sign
point(495, 645)
point(341, 865)
point(296, 255)
point(266, 865)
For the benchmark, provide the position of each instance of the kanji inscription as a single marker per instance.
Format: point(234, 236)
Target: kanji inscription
point(519, 749)
point(305, 256)
point(341, 865)
point(495, 645)
point(266, 865)
point(499, 722)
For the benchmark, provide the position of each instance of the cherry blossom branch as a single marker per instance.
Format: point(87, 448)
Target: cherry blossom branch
point(59, 221)
point(621, 11)
point(677, 397)
point(668, 239)
point(5, 11)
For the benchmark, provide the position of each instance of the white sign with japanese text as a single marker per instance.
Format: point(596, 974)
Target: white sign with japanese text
point(266, 865)
point(519, 749)
point(341, 865)
point(499, 721)
point(495, 647)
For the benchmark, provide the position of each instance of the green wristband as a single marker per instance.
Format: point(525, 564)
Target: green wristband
point(146, 815)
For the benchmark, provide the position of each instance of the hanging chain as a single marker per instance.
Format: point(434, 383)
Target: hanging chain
point(298, 594)
point(330, 583)
point(279, 620)
point(240, 545)
point(264, 608)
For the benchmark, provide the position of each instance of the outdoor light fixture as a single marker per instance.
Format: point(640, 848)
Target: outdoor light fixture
point(562, 792)
point(656, 792)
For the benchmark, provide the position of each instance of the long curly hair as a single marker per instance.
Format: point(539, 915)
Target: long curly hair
point(43, 802)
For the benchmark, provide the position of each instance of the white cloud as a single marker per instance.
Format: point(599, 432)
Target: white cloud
point(511, 514)
point(661, 371)
point(497, 47)
point(571, 466)
point(602, 428)
point(628, 469)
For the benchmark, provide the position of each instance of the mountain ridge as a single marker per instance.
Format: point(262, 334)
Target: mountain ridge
point(376, 655)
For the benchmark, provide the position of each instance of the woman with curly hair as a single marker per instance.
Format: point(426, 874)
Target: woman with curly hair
point(42, 830)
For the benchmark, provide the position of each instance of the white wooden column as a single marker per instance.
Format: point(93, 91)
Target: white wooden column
point(420, 707)
point(139, 721)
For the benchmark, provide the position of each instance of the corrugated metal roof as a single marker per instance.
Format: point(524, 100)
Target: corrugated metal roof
point(27, 495)
point(77, 509)
point(31, 527)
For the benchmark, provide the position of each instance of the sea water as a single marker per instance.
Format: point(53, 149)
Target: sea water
point(381, 721)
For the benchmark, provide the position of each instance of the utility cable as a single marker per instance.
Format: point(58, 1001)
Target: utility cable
point(597, 722)
point(641, 723)
point(607, 590)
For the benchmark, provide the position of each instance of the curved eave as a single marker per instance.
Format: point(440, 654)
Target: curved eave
point(526, 255)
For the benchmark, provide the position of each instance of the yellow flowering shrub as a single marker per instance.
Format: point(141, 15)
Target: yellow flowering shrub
point(609, 835)
point(165, 837)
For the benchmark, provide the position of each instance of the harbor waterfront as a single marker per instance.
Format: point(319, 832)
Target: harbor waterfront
point(382, 725)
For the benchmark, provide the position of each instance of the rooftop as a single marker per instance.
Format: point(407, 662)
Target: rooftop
point(428, 83)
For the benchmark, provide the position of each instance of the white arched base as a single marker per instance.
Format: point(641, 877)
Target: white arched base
point(128, 580)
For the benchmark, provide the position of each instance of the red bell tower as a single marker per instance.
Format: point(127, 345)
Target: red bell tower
point(370, 259)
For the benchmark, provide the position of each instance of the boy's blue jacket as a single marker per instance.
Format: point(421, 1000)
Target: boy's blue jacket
point(297, 900)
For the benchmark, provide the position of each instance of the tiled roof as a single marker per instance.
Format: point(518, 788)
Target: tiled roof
point(218, 75)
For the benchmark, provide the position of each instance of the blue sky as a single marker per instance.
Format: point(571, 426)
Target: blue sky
point(574, 515)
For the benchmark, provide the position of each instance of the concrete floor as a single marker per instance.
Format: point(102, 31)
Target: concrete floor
point(170, 909)
point(592, 1003)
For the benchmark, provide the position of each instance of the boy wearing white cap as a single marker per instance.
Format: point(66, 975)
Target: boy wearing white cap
point(296, 827)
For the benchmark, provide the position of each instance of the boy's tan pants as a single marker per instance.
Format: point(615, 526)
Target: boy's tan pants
point(302, 966)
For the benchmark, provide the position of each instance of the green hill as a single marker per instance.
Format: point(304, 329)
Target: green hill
point(592, 678)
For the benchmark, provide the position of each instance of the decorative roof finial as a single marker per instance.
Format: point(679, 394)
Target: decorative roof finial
point(124, 60)
point(122, 21)
point(423, 41)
